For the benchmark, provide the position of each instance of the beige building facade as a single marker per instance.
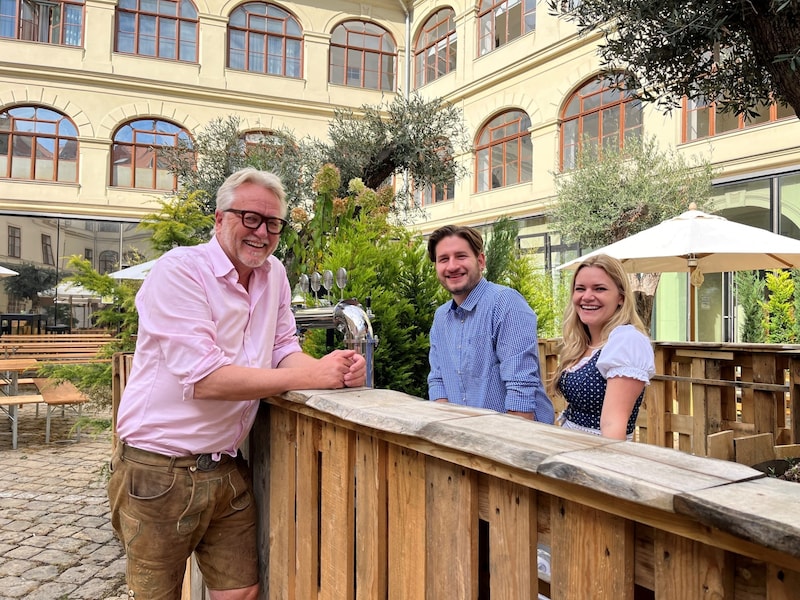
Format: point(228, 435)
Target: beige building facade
point(89, 89)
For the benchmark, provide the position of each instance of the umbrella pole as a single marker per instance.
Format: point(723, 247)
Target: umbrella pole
point(692, 315)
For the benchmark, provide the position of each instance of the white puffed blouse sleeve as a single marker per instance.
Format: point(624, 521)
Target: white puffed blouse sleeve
point(627, 353)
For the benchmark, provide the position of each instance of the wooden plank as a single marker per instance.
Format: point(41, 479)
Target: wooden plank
point(337, 507)
point(406, 538)
point(655, 399)
point(307, 517)
point(592, 553)
point(794, 400)
point(689, 570)
point(753, 449)
point(282, 480)
point(371, 518)
point(767, 406)
point(728, 400)
point(508, 439)
point(21, 399)
point(258, 457)
point(120, 370)
point(750, 578)
point(787, 451)
point(642, 473)
point(683, 424)
point(713, 400)
point(452, 526)
point(713, 354)
point(644, 569)
point(782, 584)
point(699, 410)
point(763, 511)
point(59, 392)
point(720, 445)
point(683, 401)
point(512, 539)
point(723, 383)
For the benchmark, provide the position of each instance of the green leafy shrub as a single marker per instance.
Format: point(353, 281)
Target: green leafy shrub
point(750, 296)
point(778, 319)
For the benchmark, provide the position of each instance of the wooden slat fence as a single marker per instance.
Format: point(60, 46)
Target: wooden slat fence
point(374, 494)
point(369, 494)
point(702, 390)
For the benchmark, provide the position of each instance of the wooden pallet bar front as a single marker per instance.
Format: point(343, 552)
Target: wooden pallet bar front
point(375, 494)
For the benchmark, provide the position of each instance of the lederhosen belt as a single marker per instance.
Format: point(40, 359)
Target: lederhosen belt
point(200, 462)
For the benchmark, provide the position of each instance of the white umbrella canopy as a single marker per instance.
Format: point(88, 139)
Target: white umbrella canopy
point(7, 272)
point(135, 272)
point(73, 293)
point(698, 243)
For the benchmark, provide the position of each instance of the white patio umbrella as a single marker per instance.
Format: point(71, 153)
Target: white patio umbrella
point(7, 272)
point(698, 243)
point(135, 272)
point(74, 295)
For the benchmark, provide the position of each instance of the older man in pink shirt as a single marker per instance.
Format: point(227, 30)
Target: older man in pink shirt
point(216, 334)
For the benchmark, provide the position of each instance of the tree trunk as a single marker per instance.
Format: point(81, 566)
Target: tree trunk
point(644, 307)
point(380, 168)
point(775, 33)
point(644, 286)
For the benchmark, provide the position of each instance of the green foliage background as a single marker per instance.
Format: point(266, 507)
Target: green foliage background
point(779, 318)
point(611, 196)
point(386, 264)
point(750, 296)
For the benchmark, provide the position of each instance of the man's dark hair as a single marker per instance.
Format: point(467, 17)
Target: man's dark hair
point(470, 235)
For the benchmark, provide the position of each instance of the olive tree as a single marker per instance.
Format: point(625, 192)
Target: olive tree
point(741, 55)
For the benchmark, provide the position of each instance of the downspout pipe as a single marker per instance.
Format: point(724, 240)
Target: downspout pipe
point(407, 86)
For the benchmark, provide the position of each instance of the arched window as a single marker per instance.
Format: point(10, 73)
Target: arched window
point(136, 157)
point(108, 261)
point(363, 55)
point(267, 141)
point(700, 118)
point(504, 152)
point(52, 22)
point(162, 28)
point(264, 38)
point(503, 21)
point(601, 114)
point(38, 144)
point(435, 50)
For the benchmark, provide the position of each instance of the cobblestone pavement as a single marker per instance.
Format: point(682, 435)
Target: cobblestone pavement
point(56, 541)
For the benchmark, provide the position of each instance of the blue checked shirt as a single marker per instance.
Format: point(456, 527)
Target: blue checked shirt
point(484, 353)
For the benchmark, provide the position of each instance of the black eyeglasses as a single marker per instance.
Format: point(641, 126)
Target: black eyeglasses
point(253, 220)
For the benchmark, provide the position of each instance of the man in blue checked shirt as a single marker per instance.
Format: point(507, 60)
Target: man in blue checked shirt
point(484, 349)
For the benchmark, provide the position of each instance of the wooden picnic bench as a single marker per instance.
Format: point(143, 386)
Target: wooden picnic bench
point(62, 395)
point(10, 405)
point(55, 348)
point(54, 395)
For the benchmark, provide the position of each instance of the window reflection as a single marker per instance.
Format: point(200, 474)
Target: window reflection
point(39, 248)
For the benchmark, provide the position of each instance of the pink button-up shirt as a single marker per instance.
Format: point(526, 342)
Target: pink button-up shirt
point(194, 317)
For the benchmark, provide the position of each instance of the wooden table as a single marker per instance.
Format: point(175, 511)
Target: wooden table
point(34, 320)
point(11, 368)
point(9, 404)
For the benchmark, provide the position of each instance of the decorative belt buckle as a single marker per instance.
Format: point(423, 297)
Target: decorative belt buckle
point(206, 463)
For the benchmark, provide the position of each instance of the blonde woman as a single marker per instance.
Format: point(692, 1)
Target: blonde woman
point(607, 357)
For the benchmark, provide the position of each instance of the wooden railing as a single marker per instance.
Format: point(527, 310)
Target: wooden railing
point(373, 494)
point(729, 401)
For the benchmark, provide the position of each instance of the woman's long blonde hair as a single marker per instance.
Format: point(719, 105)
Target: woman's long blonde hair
point(576, 335)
